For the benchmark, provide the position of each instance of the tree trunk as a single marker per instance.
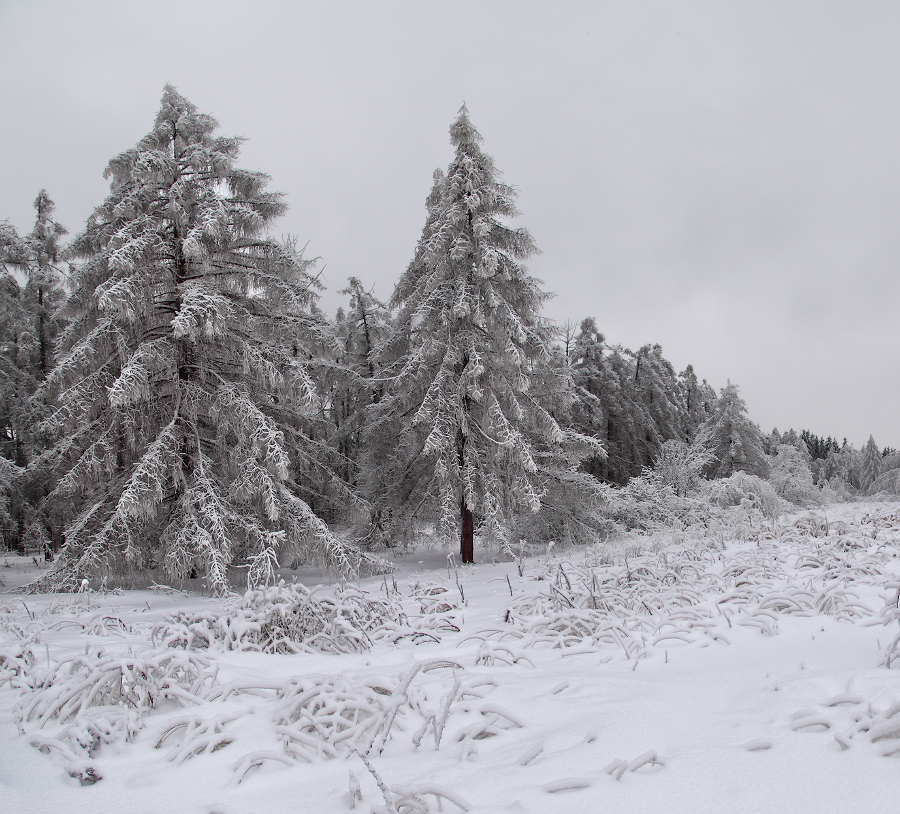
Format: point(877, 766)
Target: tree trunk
point(467, 535)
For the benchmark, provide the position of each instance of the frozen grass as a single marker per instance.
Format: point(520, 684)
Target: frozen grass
point(744, 670)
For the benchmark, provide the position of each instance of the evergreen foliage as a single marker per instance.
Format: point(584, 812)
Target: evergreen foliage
point(189, 409)
point(43, 293)
point(13, 375)
point(27, 330)
point(735, 441)
point(183, 375)
point(819, 448)
point(633, 403)
point(870, 465)
point(354, 386)
point(13, 384)
point(466, 426)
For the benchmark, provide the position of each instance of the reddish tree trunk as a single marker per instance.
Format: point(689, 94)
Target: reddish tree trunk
point(467, 537)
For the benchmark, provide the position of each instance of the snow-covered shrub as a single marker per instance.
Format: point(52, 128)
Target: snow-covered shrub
point(671, 495)
point(792, 478)
point(887, 483)
point(680, 465)
point(747, 491)
point(661, 598)
point(287, 619)
point(645, 504)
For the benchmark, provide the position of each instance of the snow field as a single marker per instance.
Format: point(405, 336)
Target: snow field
point(705, 675)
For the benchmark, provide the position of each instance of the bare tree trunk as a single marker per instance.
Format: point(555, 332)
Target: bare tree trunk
point(467, 524)
point(467, 536)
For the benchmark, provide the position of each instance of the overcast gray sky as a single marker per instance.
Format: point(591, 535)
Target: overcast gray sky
point(722, 178)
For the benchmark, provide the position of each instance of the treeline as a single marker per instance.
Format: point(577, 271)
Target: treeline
point(173, 399)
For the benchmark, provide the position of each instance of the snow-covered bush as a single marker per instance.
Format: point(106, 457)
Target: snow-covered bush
point(17, 663)
point(680, 465)
point(746, 491)
point(329, 717)
point(646, 504)
point(791, 477)
point(287, 619)
point(673, 495)
point(887, 483)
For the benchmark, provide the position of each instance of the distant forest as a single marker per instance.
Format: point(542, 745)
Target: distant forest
point(174, 401)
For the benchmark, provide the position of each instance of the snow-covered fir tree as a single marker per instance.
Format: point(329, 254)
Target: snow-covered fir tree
point(353, 386)
point(870, 464)
point(13, 380)
point(698, 400)
point(657, 389)
point(183, 368)
point(27, 330)
point(632, 402)
point(736, 442)
point(465, 428)
point(43, 292)
point(14, 386)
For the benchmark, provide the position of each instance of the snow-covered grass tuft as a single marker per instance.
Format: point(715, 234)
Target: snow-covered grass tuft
point(287, 619)
point(98, 699)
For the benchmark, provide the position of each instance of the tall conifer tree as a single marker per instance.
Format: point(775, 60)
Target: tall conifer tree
point(471, 359)
point(43, 292)
point(870, 464)
point(735, 441)
point(13, 379)
point(184, 365)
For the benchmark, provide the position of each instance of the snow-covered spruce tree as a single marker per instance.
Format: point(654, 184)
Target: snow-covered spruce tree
point(41, 299)
point(43, 292)
point(352, 385)
point(14, 387)
point(735, 441)
point(590, 415)
point(869, 464)
point(184, 364)
point(657, 387)
point(698, 401)
point(611, 406)
point(13, 380)
point(465, 428)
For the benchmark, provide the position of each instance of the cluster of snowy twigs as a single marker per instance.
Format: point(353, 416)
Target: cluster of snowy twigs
point(684, 594)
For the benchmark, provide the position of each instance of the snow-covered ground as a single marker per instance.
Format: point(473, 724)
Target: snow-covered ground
point(702, 675)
